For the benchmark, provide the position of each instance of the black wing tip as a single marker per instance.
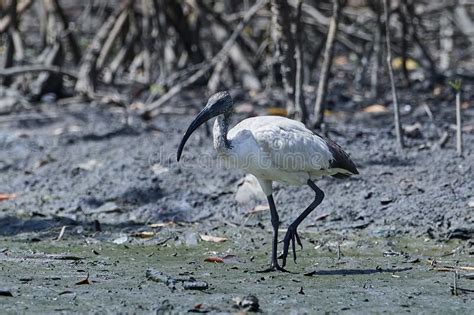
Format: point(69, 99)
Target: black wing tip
point(354, 171)
point(340, 176)
point(350, 166)
point(341, 160)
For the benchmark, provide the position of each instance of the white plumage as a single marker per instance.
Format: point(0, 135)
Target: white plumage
point(273, 148)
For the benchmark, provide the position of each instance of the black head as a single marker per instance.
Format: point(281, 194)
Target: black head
point(218, 104)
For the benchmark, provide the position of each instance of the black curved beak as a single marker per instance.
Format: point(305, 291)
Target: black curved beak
point(206, 113)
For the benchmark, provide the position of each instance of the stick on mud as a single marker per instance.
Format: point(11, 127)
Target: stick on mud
point(457, 85)
point(396, 109)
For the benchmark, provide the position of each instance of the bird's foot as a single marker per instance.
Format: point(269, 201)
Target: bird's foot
point(273, 267)
point(293, 237)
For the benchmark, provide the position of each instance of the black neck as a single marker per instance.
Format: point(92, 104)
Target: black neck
point(221, 143)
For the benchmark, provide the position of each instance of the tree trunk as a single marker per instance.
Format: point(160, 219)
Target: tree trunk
point(284, 49)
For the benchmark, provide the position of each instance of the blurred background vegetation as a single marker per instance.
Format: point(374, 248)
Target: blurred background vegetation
point(302, 58)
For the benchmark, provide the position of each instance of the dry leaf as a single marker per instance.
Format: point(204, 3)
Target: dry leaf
point(213, 239)
point(214, 259)
point(376, 108)
point(143, 234)
point(341, 60)
point(4, 197)
point(328, 112)
point(410, 63)
point(278, 111)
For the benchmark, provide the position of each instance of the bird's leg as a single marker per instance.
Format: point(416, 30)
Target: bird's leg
point(292, 234)
point(274, 266)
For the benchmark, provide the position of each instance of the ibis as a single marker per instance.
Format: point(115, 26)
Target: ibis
point(273, 148)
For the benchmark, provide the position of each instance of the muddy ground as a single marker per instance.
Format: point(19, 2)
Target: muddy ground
point(82, 167)
point(376, 276)
point(81, 163)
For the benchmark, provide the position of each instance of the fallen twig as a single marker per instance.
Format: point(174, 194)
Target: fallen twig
point(455, 281)
point(188, 283)
point(461, 290)
point(61, 233)
point(53, 257)
point(453, 268)
point(5, 292)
